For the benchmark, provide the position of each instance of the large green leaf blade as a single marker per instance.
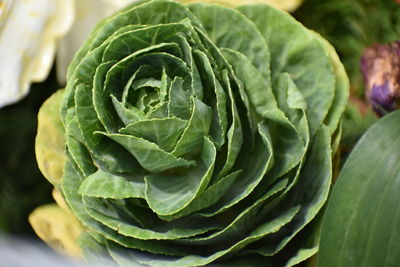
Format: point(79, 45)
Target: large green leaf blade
point(362, 222)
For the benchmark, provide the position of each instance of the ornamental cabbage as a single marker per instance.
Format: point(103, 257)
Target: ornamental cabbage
point(201, 134)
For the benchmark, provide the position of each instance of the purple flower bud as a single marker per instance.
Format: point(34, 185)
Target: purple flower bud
point(380, 65)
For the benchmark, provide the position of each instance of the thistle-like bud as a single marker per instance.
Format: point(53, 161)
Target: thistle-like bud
point(380, 65)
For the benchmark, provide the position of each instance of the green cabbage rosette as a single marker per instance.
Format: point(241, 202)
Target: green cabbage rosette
point(200, 134)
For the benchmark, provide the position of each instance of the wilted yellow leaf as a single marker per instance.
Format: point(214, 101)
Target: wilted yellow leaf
point(58, 228)
point(60, 200)
point(49, 144)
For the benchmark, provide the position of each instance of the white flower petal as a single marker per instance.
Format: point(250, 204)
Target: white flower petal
point(28, 32)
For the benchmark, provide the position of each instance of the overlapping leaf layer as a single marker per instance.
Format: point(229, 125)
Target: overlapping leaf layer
point(201, 134)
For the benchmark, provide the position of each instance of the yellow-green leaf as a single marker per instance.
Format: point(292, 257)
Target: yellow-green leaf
point(58, 228)
point(49, 144)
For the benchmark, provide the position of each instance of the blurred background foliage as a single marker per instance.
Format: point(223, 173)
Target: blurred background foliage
point(349, 25)
point(22, 186)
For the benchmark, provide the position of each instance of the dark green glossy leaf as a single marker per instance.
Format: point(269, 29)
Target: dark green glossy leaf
point(362, 221)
